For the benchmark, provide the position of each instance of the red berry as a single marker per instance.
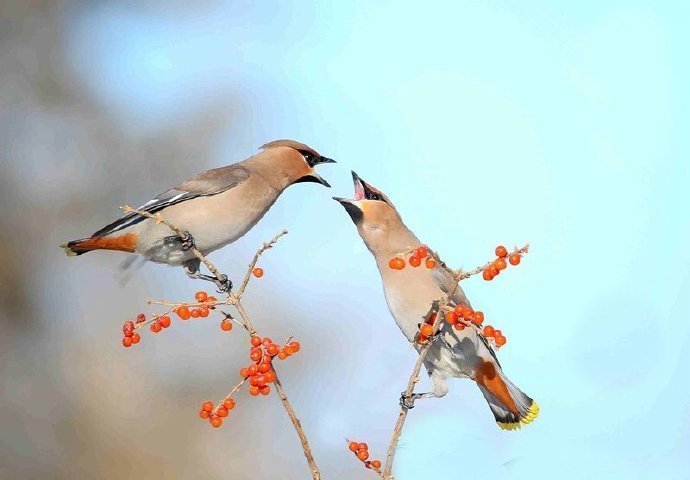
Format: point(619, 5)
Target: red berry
point(500, 341)
point(501, 251)
point(222, 411)
point(421, 251)
point(255, 341)
point(201, 296)
point(265, 390)
point(486, 275)
point(498, 333)
point(294, 347)
point(194, 312)
point(135, 338)
point(376, 464)
point(494, 271)
point(252, 369)
point(258, 272)
point(362, 454)
point(421, 339)
point(500, 264)
point(164, 321)
point(478, 318)
point(203, 311)
point(266, 342)
point(226, 326)
point(426, 330)
point(489, 331)
point(353, 446)
point(211, 299)
point(128, 328)
point(255, 354)
point(270, 376)
point(282, 355)
point(156, 327)
point(216, 421)
point(127, 342)
point(183, 312)
point(514, 258)
point(253, 391)
point(264, 367)
point(203, 414)
point(396, 263)
point(273, 349)
point(363, 446)
point(229, 403)
point(451, 317)
point(244, 372)
point(141, 318)
point(459, 326)
point(415, 261)
point(430, 263)
point(207, 406)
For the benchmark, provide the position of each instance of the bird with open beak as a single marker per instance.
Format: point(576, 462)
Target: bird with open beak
point(410, 294)
point(213, 208)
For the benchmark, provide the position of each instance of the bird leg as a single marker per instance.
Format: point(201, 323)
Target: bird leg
point(407, 401)
point(191, 268)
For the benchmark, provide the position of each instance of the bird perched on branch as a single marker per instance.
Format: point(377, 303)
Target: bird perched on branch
point(410, 294)
point(213, 209)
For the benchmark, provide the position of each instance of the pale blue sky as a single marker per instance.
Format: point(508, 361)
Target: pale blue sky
point(562, 124)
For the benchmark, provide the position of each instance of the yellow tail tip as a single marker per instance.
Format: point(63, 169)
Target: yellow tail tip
point(68, 251)
point(532, 413)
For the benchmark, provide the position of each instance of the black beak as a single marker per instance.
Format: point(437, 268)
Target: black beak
point(351, 208)
point(314, 178)
point(325, 160)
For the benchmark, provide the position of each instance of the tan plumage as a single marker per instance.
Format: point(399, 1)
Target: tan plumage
point(216, 207)
point(410, 293)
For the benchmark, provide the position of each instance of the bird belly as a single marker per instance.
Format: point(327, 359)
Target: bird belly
point(213, 221)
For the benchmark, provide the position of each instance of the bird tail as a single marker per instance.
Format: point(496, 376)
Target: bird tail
point(122, 243)
point(511, 407)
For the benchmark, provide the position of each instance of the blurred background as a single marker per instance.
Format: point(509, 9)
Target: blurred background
point(562, 124)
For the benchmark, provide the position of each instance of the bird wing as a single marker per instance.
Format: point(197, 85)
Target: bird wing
point(211, 182)
point(446, 282)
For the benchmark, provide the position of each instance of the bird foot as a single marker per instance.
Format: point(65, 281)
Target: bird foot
point(223, 283)
point(407, 402)
point(187, 241)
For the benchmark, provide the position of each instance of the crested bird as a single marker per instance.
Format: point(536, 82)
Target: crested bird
point(212, 209)
point(410, 294)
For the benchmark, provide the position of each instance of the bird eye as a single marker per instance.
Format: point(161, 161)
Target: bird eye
point(374, 196)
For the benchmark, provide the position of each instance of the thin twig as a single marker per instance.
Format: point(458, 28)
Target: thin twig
point(235, 300)
point(316, 475)
point(258, 254)
point(414, 378)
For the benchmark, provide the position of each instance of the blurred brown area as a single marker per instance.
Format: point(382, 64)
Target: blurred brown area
point(74, 404)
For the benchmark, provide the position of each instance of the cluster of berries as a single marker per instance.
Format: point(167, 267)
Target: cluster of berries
point(361, 451)
point(462, 315)
point(500, 263)
point(216, 415)
point(185, 312)
point(418, 254)
point(497, 336)
point(131, 337)
point(260, 373)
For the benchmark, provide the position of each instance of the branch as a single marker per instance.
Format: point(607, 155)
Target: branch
point(234, 299)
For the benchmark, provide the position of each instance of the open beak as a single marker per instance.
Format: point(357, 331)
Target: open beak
point(314, 177)
point(352, 205)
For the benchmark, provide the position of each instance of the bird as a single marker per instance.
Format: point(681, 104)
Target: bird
point(212, 209)
point(410, 294)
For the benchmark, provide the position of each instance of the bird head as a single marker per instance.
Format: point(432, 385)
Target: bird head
point(295, 161)
point(377, 220)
